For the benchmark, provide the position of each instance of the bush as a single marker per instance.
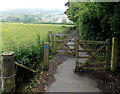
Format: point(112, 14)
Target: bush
point(29, 55)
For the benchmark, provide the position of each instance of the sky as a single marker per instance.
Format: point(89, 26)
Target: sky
point(48, 4)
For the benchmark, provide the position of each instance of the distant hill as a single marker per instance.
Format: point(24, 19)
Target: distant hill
point(28, 10)
point(33, 15)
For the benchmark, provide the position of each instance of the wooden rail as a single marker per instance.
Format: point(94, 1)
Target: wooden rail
point(94, 42)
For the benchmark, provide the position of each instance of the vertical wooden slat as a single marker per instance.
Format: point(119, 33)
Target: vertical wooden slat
point(55, 42)
point(108, 54)
point(114, 57)
point(75, 44)
point(59, 43)
point(46, 55)
point(77, 52)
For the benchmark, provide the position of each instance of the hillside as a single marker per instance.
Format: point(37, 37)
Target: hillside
point(33, 15)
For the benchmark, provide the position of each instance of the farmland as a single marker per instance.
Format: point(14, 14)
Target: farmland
point(19, 33)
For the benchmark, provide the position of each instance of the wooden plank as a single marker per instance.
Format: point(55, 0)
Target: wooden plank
point(107, 54)
point(94, 68)
point(83, 64)
point(97, 63)
point(94, 42)
point(76, 50)
point(94, 57)
point(114, 57)
point(20, 65)
point(91, 50)
point(70, 44)
point(69, 48)
point(55, 43)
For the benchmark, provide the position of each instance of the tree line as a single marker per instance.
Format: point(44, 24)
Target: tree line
point(95, 20)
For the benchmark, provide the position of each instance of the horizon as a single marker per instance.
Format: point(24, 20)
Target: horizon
point(31, 8)
point(41, 4)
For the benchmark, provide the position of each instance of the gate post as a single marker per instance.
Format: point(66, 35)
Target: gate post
point(8, 71)
point(108, 54)
point(46, 55)
point(55, 42)
point(114, 57)
point(76, 50)
point(75, 43)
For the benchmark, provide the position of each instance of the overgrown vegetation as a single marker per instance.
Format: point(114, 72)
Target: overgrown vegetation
point(27, 41)
point(95, 20)
point(31, 56)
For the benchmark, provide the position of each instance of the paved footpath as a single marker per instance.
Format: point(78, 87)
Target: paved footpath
point(68, 81)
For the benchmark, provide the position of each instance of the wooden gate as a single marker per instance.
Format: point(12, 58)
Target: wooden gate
point(102, 57)
point(60, 42)
point(95, 59)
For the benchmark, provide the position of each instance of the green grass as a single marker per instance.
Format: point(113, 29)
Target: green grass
point(18, 33)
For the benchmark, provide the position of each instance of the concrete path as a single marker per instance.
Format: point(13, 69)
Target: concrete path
point(68, 81)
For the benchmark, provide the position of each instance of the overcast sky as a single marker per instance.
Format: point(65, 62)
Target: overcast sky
point(48, 4)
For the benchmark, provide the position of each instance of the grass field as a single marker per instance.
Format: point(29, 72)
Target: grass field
point(19, 33)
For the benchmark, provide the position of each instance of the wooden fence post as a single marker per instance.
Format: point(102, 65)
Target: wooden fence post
point(50, 37)
point(55, 42)
point(76, 44)
point(8, 71)
point(114, 57)
point(76, 52)
point(46, 55)
point(108, 54)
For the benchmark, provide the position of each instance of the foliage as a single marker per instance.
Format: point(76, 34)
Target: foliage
point(29, 55)
point(95, 20)
point(27, 41)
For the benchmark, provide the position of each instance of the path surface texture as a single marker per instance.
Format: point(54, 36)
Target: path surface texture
point(68, 81)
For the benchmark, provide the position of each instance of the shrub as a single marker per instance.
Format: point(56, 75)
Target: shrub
point(29, 55)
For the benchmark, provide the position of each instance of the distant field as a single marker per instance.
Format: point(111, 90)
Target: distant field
point(18, 33)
